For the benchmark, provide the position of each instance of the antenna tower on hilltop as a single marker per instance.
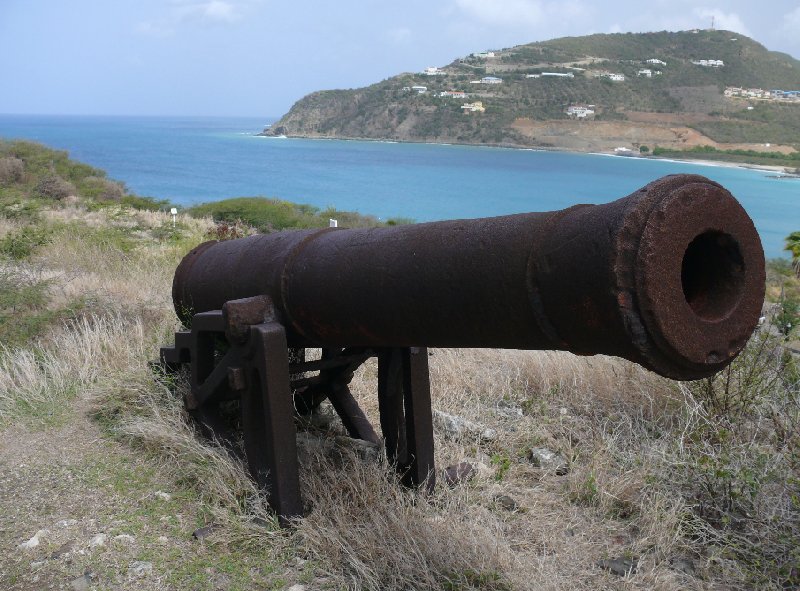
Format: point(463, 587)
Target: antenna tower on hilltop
point(712, 22)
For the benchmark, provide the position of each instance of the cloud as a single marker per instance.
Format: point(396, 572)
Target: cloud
point(207, 11)
point(188, 12)
point(399, 35)
point(790, 28)
point(728, 22)
point(504, 12)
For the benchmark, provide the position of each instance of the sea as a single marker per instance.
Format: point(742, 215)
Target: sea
point(190, 160)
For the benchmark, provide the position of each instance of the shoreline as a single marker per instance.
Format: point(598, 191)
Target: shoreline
point(773, 168)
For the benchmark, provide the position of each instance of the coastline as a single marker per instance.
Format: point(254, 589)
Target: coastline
point(782, 171)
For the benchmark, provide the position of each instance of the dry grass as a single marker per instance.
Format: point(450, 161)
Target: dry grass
point(637, 487)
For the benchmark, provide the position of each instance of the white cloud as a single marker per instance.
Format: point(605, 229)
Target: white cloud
point(504, 12)
point(209, 11)
point(727, 21)
point(187, 12)
point(399, 35)
point(791, 25)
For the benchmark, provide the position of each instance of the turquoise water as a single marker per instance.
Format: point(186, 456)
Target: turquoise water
point(192, 160)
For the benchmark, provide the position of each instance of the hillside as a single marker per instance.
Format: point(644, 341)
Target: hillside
point(583, 472)
point(680, 104)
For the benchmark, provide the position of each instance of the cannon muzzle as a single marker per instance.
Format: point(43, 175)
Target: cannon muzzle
point(670, 277)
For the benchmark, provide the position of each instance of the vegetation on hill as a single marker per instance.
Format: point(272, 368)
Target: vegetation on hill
point(657, 484)
point(391, 109)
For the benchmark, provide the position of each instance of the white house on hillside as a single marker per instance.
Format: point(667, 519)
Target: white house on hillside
point(656, 62)
point(433, 71)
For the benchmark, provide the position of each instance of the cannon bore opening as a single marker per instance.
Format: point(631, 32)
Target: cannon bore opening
point(712, 275)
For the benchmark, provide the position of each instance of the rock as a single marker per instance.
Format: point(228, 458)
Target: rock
point(63, 550)
point(163, 540)
point(621, 567)
point(506, 408)
point(455, 427)
point(204, 532)
point(124, 539)
point(67, 522)
point(506, 502)
point(163, 495)
point(34, 541)
point(683, 565)
point(541, 457)
point(463, 472)
point(140, 568)
point(369, 452)
point(297, 587)
point(98, 540)
point(82, 583)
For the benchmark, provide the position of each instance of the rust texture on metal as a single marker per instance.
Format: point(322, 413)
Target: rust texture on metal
point(670, 277)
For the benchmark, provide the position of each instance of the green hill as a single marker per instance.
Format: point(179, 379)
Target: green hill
point(681, 92)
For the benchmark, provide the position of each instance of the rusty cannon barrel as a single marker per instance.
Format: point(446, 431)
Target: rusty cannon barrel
point(670, 277)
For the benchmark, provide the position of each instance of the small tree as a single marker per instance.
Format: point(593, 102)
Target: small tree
point(644, 149)
point(793, 246)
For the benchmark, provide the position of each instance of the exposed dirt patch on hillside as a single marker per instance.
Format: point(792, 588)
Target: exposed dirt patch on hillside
point(643, 129)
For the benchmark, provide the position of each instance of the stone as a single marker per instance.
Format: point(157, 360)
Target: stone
point(163, 495)
point(98, 540)
point(124, 539)
point(463, 472)
point(455, 427)
point(62, 550)
point(541, 457)
point(67, 522)
point(34, 541)
point(683, 565)
point(297, 587)
point(82, 583)
point(163, 540)
point(140, 568)
point(621, 567)
point(367, 451)
point(204, 532)
point(506, 502)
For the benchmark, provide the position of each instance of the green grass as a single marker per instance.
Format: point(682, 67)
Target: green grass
point(267, 215)
point(750, 156)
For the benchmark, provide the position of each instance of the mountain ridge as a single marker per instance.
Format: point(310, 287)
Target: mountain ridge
point(681, 104)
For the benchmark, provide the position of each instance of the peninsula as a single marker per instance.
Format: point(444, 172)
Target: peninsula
point(708, 94)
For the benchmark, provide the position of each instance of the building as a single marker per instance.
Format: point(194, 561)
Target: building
point(433, 71)
point(558, 75)
point(453, 94)
point(420, 89)
point(476, 107)
point(580, 111)
point(656, 62)
point(647, 73)
point(533, 75)
point(491, 80)
point(708, 63)
point(484, 54)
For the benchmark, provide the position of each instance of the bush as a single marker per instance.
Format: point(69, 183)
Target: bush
point(22, 243)
point(103, 189)
point(12, 170)
point(52, 186)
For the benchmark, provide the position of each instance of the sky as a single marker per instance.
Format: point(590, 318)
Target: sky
point(257, 57)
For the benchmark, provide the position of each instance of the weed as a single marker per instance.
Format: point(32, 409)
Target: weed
point(22, 243)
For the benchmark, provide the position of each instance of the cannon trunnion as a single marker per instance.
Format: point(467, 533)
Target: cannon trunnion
point(670, 277)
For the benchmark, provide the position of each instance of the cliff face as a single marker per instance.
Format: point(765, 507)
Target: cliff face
point(676, 101)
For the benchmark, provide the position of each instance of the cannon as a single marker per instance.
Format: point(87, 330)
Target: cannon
point(670, 277)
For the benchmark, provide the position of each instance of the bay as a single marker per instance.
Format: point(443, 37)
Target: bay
point(192, 160)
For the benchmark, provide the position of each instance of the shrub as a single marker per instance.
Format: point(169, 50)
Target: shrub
point(12, 170)
point(102, 189)
point(52, 186)
point(22, 243)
